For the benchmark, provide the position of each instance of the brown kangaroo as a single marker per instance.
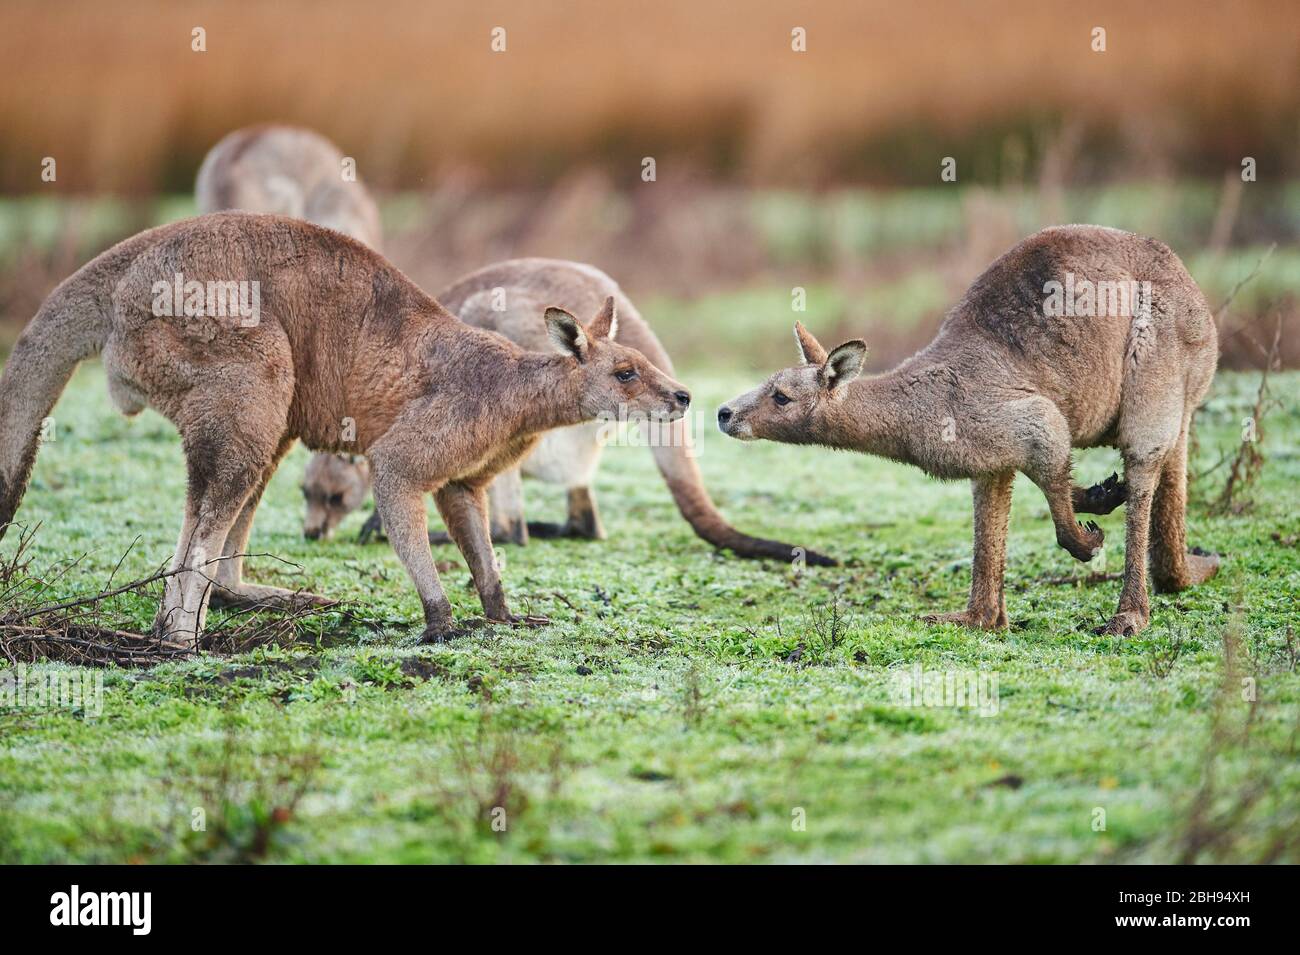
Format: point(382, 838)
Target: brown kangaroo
point(346, 354)
point(505, 298)
point(1025, 367)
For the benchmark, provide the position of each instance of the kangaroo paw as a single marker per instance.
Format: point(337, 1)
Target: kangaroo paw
point(1100, 498)
point(373, 527)
point(1082, 540)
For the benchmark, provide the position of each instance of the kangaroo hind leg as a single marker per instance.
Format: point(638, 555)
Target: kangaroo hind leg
point(232, 591)
point(987, 607)
point(224, 469)
point(1173, 567)
point(1045, 439)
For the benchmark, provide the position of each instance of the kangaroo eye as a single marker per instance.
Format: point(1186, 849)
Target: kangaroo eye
point(336, 500)
point(626, 374)
point(781, 398)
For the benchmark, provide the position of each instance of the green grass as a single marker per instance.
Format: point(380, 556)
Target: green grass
point(665, 714)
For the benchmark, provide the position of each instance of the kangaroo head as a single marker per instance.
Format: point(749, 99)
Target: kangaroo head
point(612, 379)
point(788, 406)
point(334, 486)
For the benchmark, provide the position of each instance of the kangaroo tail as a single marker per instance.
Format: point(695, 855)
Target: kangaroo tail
point(682, 476)
point(69, 326)
point(672, 454)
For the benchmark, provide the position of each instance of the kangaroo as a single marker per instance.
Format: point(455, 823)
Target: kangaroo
point(290, 171)
point(345, 354)
point(1024, 368)
point(504, 298)
point(333, 485)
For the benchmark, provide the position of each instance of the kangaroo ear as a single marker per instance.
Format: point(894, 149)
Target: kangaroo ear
point(605, 324)
point(810, 349)
point(566, 334)
point(844, 364)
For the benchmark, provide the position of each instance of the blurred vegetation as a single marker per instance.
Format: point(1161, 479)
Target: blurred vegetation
point(116, 94)
point(714, 268)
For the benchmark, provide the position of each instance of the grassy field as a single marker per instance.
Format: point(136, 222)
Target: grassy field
point(682, 705)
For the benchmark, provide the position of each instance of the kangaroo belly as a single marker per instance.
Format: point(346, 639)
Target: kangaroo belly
point(566, 456)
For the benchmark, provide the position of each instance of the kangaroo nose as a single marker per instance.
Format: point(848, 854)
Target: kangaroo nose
point(724, 415)
point(312, 533)
point(683, 398)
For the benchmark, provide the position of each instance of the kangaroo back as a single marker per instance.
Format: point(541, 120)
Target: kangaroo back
point(71, 325)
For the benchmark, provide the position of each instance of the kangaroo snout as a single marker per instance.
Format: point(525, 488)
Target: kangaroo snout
point(683, 398)
point(724, 415)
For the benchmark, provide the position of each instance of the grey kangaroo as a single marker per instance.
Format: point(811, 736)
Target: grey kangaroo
point(1077, 337)
point(342, 352)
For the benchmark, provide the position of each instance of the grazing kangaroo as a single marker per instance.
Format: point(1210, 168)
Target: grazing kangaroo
point(1026, 366)
point(345, 354)
point(505, 298)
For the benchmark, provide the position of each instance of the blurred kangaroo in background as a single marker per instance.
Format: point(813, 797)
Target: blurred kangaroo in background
point(289, 171)
point(505, 298)
point(343, 352)
point(1022, 370)
point(297, 172)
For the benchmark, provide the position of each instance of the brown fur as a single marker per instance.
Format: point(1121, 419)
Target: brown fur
point(503, 298)
point(436, 406)
point(1005, 387)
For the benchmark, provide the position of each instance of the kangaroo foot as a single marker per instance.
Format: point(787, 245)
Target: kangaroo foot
point(442, 634)
point(514, 532)
point(172, 636)
point(1100, 498)
point(1126, 623)
point(1082, 541)
point(257, 597)
point(990, 619)
point(442, 537)
point(1197, 567)
point(549, 529)
point(1201, 565)
point(373, 527)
